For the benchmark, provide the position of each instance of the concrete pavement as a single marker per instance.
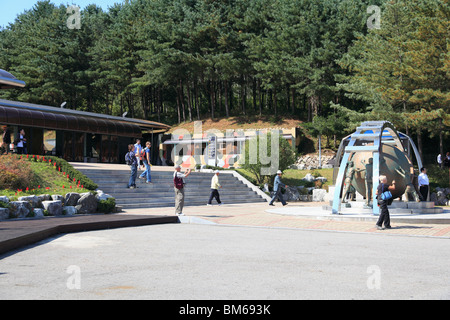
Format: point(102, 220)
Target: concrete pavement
point(307, 216)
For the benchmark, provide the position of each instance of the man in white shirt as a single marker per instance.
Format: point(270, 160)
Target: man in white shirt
point(215, 185)
point(439, 160)
point(423, 184)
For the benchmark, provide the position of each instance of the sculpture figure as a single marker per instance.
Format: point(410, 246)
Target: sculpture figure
point(348, 180)
point(410, 189)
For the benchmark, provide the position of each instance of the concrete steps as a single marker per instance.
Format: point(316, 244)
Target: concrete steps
point(160, 193)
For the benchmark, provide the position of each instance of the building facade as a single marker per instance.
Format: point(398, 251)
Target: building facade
point(74, 135)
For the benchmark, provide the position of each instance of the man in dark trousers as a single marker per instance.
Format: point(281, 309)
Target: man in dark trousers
point(384, 211)
point(215, 185)
point(6, 139)
point(277, 183)
point(423, 184)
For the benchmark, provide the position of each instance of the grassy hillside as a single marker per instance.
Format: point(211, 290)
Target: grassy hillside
point(28, 175)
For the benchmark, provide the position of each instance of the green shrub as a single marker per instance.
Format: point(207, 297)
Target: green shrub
point(106, 206)
point(15, 173)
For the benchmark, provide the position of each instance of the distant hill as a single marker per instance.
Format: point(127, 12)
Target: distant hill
point(244, 123)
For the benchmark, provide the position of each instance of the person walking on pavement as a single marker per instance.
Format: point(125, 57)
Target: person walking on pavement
point(215, 185)
point(383, 204)
point(131, 161)
point(423, 184)
point(178, 181)
point(146, 159)
point(277, 183)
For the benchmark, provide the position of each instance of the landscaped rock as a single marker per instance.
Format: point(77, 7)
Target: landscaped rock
point(102, 196)
point(87, 203)
point(54, 208)
point(69, 210)
point(71, 199)
point(44, 197)
point(38, 212)
point(318, 195)
point(56, 197)
point(4, 199)
point(4, 213)
point(292, 194)
point(19, 209)
point(33, 200)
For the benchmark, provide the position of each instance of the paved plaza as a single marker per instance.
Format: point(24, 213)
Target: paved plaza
point(236, 252)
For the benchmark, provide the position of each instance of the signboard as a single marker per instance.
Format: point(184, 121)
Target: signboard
point(212, 150)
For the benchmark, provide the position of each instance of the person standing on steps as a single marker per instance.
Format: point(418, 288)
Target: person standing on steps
point(138, 151)
point(215, 185)
point(146, 159)
point(277, 183)
point(178, 181)
point(131, 161)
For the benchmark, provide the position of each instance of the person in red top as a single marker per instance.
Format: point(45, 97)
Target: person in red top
point(178, 181)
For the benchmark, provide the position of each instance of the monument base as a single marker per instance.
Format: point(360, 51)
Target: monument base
point(397, 207)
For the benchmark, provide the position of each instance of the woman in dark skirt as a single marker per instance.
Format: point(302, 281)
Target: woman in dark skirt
point(383, 204)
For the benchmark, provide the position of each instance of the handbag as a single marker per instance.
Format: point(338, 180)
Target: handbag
point(386, 195)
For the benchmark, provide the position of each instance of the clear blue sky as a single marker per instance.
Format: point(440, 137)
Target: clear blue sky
point(11, 8)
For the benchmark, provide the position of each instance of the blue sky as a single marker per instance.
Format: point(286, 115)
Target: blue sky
point(11, 8)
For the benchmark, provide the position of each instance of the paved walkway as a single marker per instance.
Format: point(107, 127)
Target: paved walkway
point(310, 216)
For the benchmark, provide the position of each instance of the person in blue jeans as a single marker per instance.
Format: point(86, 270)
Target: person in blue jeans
point(277, 183)
point(146, 160)
point(130, 159)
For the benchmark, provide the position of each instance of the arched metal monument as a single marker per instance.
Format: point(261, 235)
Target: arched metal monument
point(376, 148)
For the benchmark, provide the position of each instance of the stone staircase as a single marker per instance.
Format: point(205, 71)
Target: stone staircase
point(161, 193)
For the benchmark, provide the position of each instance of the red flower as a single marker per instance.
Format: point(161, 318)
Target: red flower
point(26, 189)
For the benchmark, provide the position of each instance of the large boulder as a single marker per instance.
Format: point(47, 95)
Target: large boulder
point(54, 208)
point(318, 195)
point(33, 200)
point(69, 210)
point(4, 213)
point(71, 199)
point(4, 199)
point(56, 197)
point(102, 196)
point(87, 203)
point(292, 194)
point(19, 209)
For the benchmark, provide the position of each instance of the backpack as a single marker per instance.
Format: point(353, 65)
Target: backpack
point(128, 159)
point(178, 182)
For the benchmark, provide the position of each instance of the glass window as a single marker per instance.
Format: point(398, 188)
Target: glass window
point(49, 142)
point(105, 148)
point(68, 146)
point(79, 146)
